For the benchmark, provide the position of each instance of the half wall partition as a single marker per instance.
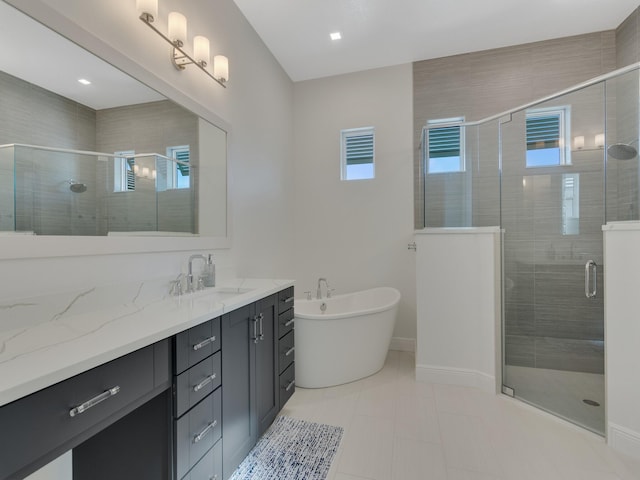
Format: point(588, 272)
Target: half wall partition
point(550, 173)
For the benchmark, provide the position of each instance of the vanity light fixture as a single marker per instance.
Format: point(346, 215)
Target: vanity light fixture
point(177, 37)
point(599, 140)
point(578, 142)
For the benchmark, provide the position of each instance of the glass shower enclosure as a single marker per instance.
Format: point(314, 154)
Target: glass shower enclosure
point(551, 174)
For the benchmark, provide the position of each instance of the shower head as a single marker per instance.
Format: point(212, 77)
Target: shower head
point(77, 187)
point(622, 151)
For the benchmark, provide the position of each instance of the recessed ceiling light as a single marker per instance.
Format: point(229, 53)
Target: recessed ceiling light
point(84, 81)
point(335, 36)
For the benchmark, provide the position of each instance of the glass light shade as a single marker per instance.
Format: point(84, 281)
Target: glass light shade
point(201, 49)
point(221, 68)
point(149, 7)
point(578, 142)
point(177, 27)
point(154, 174)
point(600, 140)
point(136, 169)
point(145, 172)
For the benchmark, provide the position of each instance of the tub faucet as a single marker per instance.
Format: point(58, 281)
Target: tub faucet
point(319, 291)
point(190, 282)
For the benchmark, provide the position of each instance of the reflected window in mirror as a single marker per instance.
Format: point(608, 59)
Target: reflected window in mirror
point(178, 175)
point(124, 171)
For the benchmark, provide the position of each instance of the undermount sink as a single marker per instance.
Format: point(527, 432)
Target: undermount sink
point(217, 293)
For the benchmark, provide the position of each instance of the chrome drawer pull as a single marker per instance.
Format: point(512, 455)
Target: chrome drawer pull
point(255, 329)
point(260, 319)
point(94, 401)
point(290, 386)
point(204, 432)
point(203, 343)
point(290, 322)
point(288, 300)
point(204, 383)
point(290, 351)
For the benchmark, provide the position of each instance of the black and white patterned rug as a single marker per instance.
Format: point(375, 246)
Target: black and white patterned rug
point(291, 449)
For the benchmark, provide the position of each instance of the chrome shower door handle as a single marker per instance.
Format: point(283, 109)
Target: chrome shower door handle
point(589, 290)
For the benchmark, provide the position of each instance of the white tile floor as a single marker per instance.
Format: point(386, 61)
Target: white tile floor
point(396, 428)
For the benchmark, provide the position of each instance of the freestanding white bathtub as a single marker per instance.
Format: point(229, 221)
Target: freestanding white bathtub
point(346, 342)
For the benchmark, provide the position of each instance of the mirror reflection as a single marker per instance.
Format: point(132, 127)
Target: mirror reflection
point(87, 150)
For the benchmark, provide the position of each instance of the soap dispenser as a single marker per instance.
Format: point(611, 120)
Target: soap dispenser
point(209, 273)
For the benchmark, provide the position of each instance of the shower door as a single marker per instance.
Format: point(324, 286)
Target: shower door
point(552, 212)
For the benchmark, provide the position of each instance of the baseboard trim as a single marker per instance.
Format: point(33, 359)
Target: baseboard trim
point(403, 344)
point(456, 376)
point(624, 440)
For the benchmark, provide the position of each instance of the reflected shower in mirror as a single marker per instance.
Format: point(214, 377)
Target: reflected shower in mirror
point(87, 150)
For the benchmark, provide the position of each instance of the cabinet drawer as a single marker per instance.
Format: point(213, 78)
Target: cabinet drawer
point(197, 431)
point(37, 425)
point(285, 323)
point(287, 384)
point(196, 383)
point(286, 352)
point(196, 344)
point(285, 299)
point(210, 467)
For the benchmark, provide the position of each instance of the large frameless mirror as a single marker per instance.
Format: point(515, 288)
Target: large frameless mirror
point(86, 150)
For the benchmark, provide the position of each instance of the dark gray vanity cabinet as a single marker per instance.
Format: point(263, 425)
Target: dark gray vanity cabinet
point(197, 402)
point(239, 424)
point(249, 366)
point(268, 404)
point(39, 427)
point(286, 347)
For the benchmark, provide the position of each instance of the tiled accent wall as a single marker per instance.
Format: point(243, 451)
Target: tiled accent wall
point(478, 85)
point(44, 203)
point(147, 128)
point(628, 40)
point(565, 330)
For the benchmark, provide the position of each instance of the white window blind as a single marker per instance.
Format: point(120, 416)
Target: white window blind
point(358, 153)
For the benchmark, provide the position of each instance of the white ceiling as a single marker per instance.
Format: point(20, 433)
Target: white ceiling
point(30, 51)
point(377, 33)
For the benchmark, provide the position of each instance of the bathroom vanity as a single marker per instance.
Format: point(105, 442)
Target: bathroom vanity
point(145, 388)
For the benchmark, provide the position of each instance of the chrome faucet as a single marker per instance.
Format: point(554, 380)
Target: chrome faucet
point(190, 282)
point(319, 291)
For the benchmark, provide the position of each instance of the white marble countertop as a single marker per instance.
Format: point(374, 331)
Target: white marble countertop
point(44, 340)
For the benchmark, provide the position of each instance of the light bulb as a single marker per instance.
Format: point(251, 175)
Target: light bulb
point(201, 50)
point(178, 28)
point(221, 68)
point(148, 8)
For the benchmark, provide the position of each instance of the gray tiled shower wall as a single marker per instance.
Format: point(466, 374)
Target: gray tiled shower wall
point(549, 321)
point(43, 201)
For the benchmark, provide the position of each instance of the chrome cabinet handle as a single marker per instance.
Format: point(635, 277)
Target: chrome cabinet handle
point(204, 432)
point(255, 329)
point(588, 268)
point(288, 300)
point(290, 351)
point(203, 343)
point(260, 319)
point(290, 386)
point(94, 401)
point(204, 383)
point(290, 322)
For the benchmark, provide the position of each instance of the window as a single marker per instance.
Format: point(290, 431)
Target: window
point(357, 153)
point(179, 175)
point(445, 146)
point(124, 178)
point(547, 134)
